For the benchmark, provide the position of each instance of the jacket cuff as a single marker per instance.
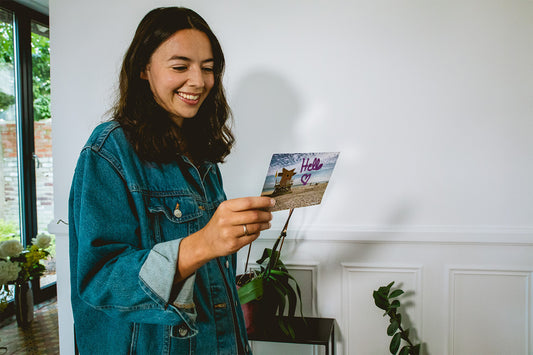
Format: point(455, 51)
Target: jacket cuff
point(158, 272)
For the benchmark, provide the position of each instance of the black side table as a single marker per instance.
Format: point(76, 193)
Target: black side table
point(313, 331)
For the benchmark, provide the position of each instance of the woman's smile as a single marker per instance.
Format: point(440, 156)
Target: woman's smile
point(191, 99)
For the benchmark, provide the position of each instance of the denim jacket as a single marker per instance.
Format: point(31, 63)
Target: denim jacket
point(126, 220)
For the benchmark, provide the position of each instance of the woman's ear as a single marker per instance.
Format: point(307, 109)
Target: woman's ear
point(144, 75)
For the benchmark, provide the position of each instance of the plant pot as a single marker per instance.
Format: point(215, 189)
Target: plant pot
point(252, 316)
point(250, 309)
point(24, 303)
point(257, 312)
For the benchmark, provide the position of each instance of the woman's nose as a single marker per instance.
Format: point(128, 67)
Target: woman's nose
point(196, 77)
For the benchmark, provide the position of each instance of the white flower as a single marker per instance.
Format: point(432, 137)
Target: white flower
point(11, 247)
point(42, 241)
point(9, 271)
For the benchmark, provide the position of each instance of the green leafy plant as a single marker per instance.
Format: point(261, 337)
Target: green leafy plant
point(386, 300)
point(8, 230)
point(40, 52)
point(6, 100)
point(272, 285)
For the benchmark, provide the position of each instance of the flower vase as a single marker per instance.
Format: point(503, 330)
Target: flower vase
point(24, 303)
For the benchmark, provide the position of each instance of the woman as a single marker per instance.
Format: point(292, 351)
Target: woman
point(152, 239)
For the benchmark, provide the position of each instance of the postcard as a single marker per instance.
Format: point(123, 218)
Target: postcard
point(298, 179)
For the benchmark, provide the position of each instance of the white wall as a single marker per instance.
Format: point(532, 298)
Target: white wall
point(430, 105)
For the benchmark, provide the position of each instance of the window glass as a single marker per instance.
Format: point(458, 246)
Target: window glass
point(42, 124)
point(9, 188)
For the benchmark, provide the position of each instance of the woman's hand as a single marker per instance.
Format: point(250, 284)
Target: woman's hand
point(237, 223)
point(234, 224)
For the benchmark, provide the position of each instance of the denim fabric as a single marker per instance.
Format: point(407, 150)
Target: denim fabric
point(126, 220)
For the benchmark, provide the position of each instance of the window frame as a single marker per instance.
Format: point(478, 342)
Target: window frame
point(23, 17)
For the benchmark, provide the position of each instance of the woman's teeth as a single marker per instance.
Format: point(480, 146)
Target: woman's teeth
point(189, 96)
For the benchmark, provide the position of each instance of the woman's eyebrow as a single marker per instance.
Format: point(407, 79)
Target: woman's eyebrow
point(186, 59)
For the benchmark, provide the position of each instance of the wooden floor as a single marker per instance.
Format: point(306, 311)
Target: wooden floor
point(39, 338)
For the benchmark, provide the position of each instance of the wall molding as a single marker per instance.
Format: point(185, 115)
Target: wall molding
point(432, 234)
point(453, 271)
point(313, 268)
point(352, 268)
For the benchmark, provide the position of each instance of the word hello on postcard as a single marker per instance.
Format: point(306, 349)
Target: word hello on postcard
point(298, 179)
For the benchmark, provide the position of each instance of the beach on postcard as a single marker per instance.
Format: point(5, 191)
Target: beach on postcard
point(300, 196)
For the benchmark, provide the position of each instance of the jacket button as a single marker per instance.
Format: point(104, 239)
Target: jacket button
point(177, 213)
point(182, 331)
point(227, 264)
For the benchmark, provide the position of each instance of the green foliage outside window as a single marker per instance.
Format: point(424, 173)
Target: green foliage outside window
point(8, 230)
point(40, 50)
point(6, 100)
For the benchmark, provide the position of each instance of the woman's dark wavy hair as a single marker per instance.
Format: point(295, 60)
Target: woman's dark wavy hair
point(148, 127)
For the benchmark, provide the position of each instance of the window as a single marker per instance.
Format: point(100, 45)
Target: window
point(26, 176)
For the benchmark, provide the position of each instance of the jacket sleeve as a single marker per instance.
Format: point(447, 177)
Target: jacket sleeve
point(113, 273)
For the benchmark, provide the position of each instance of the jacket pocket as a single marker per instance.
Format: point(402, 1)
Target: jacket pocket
point(173, 216)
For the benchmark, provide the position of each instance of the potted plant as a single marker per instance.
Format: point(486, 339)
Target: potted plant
point(19, 266)
point(269, 291)
point(386, 300)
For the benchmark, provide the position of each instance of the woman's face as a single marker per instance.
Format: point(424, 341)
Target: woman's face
point(180, 73)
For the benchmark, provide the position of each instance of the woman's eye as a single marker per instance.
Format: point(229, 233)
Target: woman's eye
point(208, 69)
point(180, 68)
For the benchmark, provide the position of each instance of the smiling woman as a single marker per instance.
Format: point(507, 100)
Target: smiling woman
point(180, 63)
point(153, 240)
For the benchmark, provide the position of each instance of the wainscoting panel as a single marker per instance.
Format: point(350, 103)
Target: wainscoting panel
point(494, 303)
point(364, 326)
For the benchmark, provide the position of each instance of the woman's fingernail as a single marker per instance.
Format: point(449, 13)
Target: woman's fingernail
point(272, 202)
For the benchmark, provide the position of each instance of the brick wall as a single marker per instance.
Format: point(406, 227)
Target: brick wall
point(9, 199)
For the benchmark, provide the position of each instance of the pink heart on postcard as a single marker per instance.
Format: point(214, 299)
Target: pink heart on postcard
point(305, 178)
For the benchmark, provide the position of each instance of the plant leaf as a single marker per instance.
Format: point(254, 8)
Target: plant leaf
point(298, 291)
point(293, 300)
point(384, 290)
point(395, 304)
point(393, 327)
point(286, 327)
point(281, 299)
point(404, 351)
point(415, 350)
point(381, 301)
point(291, 331)
point(396, 293)
point(395, 343)
point(282, 326)
point(253, 290)
point(280, 273)
point(267, 253)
